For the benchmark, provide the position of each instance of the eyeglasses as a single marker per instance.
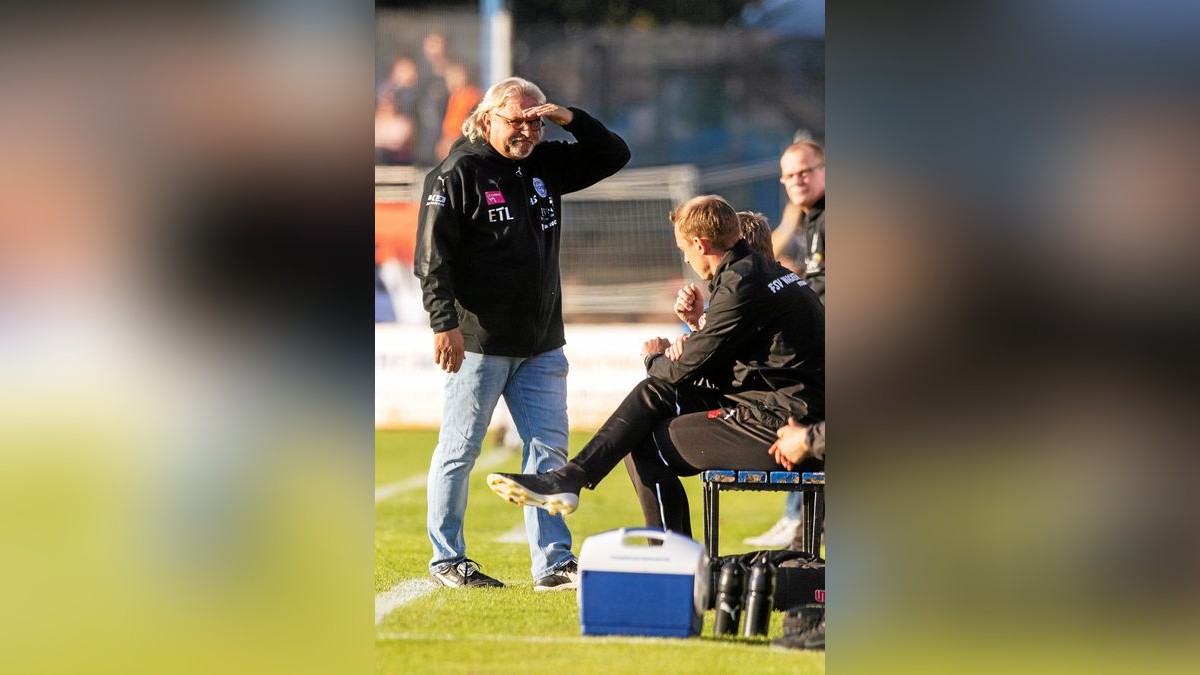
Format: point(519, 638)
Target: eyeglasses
point(535, 124)
point(801, 174)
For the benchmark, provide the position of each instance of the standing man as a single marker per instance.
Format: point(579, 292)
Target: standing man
point(487, 257)
point(799, 240)
point(799, 244)
point(758, 360)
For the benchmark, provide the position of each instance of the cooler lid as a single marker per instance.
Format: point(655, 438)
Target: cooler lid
point(616, 551)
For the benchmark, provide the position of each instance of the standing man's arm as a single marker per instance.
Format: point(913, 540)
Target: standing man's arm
point(783, 239)
point(438, 231)
point(597, 154)
point(551, 111)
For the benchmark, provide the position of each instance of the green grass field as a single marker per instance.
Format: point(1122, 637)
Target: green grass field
point(513, 629)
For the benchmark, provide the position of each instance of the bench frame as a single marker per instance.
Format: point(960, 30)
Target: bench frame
point(811, 485)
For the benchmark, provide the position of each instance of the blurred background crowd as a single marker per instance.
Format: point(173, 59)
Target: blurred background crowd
point(714, 85)
point(708, 95)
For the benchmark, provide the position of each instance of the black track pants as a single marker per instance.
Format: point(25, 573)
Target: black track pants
point(663, 432)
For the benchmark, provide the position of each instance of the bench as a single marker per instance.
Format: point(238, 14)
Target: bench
point(810, 483)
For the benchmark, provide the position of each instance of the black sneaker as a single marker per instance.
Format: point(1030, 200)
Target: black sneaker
point(545, 491)
point(465, 573)
point(803, 629)
point(565, 578)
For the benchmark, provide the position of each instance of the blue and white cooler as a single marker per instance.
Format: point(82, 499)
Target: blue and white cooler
point(629, 588)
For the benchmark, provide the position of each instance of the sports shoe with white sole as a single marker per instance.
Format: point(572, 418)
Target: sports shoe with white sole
point(565, 578)
point(530, 489)
point(464, 574)
point(780, 534)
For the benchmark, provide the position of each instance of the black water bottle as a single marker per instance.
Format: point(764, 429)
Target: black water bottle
point(728, 602)
point(760, 589)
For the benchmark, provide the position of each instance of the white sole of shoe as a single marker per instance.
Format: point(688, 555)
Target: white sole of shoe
point(439, 582)
point(563, 503)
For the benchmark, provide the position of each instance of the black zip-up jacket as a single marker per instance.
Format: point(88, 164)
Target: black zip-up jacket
point(763, 341)
point(488, 237)
point(814, 260)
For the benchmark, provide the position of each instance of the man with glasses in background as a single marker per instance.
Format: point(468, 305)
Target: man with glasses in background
point(487, 257)
point(799, 241)
point(799, 244)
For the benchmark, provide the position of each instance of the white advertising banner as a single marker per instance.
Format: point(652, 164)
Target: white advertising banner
point(606, 362)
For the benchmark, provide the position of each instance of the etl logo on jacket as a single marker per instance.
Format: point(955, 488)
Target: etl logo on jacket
point(494, 197)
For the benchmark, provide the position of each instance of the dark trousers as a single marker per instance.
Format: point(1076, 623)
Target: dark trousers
point(663, 432)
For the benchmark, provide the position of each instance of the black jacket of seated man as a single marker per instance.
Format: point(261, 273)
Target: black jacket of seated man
point(763, 341)
point(759, 359)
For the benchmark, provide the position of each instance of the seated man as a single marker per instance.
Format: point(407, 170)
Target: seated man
point(803, 625)
point(758, 360)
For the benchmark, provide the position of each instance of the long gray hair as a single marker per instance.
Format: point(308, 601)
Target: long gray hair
point(495, 98)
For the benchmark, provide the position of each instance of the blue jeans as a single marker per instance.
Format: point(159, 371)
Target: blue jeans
point(791, 507)
point(535, 389)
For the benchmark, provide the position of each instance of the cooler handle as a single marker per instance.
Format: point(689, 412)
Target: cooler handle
point(647, 532)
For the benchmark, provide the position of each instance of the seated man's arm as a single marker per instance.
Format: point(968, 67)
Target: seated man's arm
point(713, 348)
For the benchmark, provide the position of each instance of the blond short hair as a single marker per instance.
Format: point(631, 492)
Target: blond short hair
point(708, 217)
point(495, 98)
point(756, 230)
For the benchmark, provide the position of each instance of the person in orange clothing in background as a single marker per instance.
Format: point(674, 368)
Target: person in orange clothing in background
point(464, 96)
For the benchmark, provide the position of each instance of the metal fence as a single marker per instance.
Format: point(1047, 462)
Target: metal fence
point(617, 252)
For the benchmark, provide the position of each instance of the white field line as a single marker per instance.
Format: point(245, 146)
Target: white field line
point(383, 492)
point(413, 589)
point(400, 594)
point(389, 636)
point(392, 489)
point(514, 536)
